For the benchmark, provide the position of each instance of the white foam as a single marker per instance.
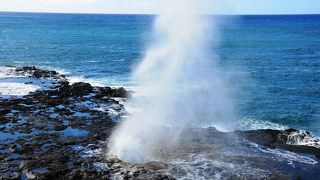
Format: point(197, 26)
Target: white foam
point(205, 166)
point(16, 89)
point(59, 70)
point(13, 84)
point(94, 82)
point(6, 72)
point(288, 156)
point(202, 167)
point(303, 138)
point(254, 124)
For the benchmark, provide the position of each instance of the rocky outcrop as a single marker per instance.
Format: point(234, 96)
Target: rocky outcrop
point(80, 89)
point(32, 71)
point(107, 92)
point(280, 139)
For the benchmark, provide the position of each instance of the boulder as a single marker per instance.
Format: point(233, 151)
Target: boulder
point(120, 92)
point(80, 89)
point(112, 92)
point(104, 92)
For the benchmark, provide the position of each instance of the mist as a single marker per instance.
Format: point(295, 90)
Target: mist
point(179, 85)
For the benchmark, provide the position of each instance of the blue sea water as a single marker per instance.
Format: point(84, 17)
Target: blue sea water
point(274, 60)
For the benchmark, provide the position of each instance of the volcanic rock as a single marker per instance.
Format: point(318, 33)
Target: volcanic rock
point(80, 89)
point(278, 139)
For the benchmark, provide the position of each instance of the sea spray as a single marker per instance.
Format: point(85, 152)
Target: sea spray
point(179, 84)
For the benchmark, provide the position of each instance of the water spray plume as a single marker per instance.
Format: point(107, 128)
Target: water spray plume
point(180, 85)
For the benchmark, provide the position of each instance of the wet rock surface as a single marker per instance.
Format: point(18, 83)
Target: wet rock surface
point(282, 140)
point(211, 154)
point(62, 133)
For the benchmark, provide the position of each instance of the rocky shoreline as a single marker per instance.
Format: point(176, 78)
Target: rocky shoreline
point(61, 132)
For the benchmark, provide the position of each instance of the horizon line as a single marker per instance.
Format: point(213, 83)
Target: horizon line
point(90, 13)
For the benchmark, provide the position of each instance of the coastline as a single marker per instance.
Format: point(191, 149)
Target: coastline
point(61, 129)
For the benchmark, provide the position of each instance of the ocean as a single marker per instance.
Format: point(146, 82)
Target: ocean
point(273, 62)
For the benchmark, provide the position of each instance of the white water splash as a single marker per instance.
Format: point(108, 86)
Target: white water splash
point(15, 84)
point(251, 123)
point(303, 138)
point(179, 82)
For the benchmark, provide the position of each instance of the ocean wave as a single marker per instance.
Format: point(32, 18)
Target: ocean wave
point(19, 84)
point(59, 70)
point(94, 82)
point(249, 123)
point(16, 89)
point(6, 72)
point(12, 84)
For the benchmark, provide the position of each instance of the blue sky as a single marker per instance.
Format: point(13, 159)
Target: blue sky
point(152, 6)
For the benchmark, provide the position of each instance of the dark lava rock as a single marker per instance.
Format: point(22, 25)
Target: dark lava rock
point(4, 112)
point(120, 92)
point(37, 73)
point(26, 68)
point(278, 139)
point(80, 89)
point(112, 92)
point(44, 74)
point(104, 92)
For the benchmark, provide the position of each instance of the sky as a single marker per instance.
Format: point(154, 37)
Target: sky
point(152, 6)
